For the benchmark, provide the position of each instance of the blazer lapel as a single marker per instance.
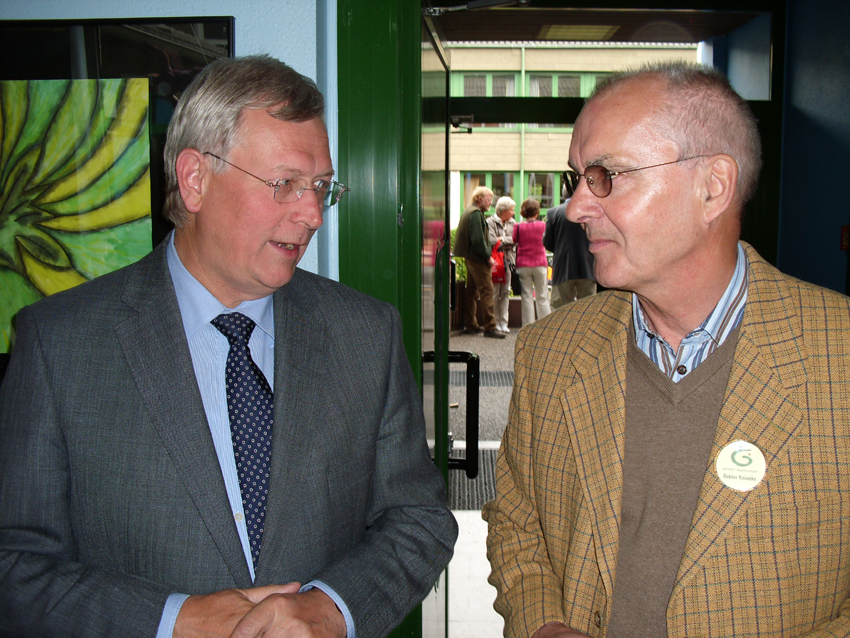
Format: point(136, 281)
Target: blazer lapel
point(760, 407)
point(594, 404)
point(156, 350)
point(300, 371)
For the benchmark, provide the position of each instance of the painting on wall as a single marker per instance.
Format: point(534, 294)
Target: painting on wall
point(84, 108)
point(75, 185)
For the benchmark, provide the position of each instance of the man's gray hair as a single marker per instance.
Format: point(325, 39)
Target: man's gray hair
point(703, 115)
point(208, 114)
point(504, 203)
point(479, 192)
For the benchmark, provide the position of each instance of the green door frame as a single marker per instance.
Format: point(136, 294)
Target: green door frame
point(379, 67)
point(379, 155)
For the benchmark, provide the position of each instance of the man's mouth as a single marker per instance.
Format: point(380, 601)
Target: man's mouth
point(285, 246)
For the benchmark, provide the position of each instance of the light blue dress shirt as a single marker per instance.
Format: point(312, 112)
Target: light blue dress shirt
point(701, 341)
point(209, 349)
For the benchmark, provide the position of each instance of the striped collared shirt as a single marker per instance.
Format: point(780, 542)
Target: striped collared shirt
point(701, 341)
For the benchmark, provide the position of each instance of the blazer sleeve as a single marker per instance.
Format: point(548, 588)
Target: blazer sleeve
point(409, 530)
point(529, 592)
point(44, 588)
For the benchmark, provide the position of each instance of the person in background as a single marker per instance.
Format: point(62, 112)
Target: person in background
point(472, 242)
point(677, 455)
point(531, 262)
point(572, 263)
point(213, 442)
point(501, 226)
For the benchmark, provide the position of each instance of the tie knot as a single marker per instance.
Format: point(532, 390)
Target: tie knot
point(235, 326)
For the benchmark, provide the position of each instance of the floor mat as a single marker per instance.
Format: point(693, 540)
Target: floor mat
point(471, 494)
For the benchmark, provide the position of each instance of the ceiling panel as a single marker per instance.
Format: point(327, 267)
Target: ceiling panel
point(611, 25)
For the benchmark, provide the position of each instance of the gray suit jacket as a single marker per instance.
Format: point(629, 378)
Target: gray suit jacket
point(111, 495)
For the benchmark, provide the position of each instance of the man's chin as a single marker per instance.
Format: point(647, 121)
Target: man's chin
point(609, 278)
point(273, 280)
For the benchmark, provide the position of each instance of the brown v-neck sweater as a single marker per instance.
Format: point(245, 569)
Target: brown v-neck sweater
point(669, 432)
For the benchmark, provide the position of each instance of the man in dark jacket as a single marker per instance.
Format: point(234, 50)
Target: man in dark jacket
point(473, 244)
point(572, 263)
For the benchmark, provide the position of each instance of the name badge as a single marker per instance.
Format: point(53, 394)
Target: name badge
point(741, 466)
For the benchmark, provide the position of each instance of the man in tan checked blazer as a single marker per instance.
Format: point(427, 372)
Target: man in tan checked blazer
point(677, 455)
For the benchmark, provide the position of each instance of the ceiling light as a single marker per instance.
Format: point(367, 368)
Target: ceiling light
point(573, 32)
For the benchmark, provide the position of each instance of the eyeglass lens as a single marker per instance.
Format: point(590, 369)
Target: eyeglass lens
point(597, 177)
point(327, 192)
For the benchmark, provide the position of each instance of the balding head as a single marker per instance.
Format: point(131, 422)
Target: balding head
point(702, 114)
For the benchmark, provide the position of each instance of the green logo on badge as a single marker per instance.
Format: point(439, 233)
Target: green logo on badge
point(747, 458)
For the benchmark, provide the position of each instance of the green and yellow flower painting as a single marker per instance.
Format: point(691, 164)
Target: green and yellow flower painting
point(75, 196)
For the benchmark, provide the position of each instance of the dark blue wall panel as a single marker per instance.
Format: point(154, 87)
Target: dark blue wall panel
point(815, 199)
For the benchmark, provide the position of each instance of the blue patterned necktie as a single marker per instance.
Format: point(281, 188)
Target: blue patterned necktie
point(250, 406)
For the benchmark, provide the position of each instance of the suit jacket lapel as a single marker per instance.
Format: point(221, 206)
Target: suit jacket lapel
point(156, 350)
point(760, 407)
point(594, 403)
point(300, 370)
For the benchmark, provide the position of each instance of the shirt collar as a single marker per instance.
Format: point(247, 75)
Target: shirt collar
point(198, 306)
point(723, 319)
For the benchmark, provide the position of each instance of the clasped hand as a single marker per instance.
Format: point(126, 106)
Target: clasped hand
point(275, 611)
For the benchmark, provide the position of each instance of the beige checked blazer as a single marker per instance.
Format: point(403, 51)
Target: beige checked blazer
point(771, 562)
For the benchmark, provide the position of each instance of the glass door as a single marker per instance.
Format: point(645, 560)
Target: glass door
point(435, 284)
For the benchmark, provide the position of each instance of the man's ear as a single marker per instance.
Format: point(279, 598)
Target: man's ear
point(721, 183)
point(190, 178)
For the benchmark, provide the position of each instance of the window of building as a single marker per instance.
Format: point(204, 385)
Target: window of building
point(503, 86)
point(474, 86)
point(471, 181)
point(502, 184)
point(559, 85)
point(569, 85)
point(543, 187)
point(562, 84)
point(540, 85)
point(485, 85)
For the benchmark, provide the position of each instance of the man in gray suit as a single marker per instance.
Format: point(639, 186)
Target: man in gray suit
point(128, 503)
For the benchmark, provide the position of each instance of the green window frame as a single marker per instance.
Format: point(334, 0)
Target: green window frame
point(500, 182)
point(496, 84)
point(518, 186)
point(494, 81)
point(557, 82)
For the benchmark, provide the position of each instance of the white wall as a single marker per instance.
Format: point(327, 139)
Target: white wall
point(302, 33)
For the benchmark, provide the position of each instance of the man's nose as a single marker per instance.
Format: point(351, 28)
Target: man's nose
point(309, 209)
point(583, 204)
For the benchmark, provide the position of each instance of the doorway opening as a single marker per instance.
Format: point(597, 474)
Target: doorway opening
point(518, 77)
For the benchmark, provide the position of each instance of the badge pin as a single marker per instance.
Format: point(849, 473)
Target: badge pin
point(741, 466)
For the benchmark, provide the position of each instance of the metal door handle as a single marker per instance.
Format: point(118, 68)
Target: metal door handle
point(473, 383)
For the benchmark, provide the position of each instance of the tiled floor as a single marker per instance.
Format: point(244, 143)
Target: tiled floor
point(471, 613)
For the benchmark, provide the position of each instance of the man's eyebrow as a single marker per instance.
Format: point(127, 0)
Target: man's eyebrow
point(283, 168)
point(600, 160)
